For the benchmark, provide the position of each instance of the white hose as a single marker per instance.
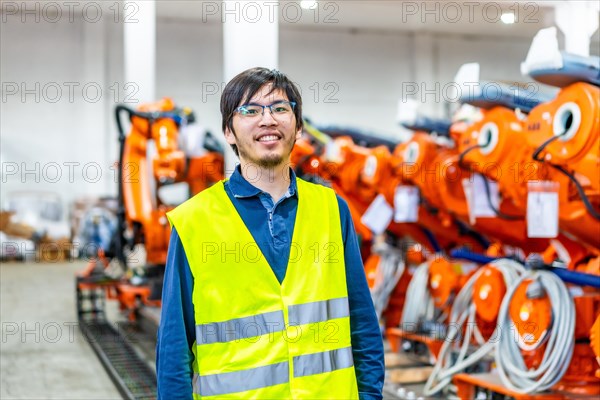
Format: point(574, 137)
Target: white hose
point(463, 310)
point(388, 273)
point(418, 305)
point(559, 348)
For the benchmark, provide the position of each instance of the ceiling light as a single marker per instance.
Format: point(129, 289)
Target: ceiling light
point(308, 4)
point(508, 18)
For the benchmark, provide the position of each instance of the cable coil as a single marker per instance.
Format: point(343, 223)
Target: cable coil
point(560, 342)
point(463, 310)
point(389, 270)
point(419, 303)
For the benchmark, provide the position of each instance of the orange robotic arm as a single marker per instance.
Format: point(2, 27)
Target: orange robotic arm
point(150, 157)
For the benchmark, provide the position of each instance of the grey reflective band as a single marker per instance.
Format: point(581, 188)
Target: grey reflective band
point(318, 311)
point(327, 361)
point(240, 328)
point(240, 381)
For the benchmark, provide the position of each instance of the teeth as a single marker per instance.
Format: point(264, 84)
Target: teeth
point(268, 138)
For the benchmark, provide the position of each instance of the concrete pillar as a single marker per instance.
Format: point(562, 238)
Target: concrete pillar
point(140, 48)
point(97, 105)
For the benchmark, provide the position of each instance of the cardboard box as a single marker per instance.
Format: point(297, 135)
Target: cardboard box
point(50, 251)
point(5, 219)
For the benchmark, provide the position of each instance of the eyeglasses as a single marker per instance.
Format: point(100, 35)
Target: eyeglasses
point(281, 109)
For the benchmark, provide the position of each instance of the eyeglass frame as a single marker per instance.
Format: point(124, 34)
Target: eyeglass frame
point(269, 106)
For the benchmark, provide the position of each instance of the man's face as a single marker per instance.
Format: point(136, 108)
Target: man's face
point(264, 140)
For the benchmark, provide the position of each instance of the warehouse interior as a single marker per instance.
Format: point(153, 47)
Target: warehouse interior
point(464, 137)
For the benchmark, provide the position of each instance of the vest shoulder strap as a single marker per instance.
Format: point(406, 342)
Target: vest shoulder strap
point(196, 209)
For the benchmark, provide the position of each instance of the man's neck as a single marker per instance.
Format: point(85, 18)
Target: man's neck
point(274, 181)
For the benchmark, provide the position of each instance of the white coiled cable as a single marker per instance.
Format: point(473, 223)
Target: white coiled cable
point(463, 310)
point(560, 342)
point(418, 305)
point(389, 271)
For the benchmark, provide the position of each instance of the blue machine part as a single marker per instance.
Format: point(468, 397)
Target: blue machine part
point(493, 94)
point(429, 125)
point(577, 278)
point(361, 138)
point(434, 243)
point(96, 229)
point(466, 254)
point(574, 69)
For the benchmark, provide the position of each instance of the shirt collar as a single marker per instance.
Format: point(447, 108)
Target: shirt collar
point(241, 188)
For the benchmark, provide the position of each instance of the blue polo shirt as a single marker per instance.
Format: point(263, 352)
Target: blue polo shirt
point(271, 225)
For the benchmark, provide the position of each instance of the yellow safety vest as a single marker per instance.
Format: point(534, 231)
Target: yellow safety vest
point(257, 338)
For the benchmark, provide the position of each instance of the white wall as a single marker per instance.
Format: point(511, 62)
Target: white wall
point(348, 79)
point(59, 131)
point(190, 67)
point(351, 78)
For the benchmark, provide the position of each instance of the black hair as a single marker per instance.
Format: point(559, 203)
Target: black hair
point(243, 86)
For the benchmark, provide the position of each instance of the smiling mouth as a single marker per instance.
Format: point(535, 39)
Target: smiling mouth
point(269, 138)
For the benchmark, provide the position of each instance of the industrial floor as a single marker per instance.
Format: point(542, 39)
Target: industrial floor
point(43, 354)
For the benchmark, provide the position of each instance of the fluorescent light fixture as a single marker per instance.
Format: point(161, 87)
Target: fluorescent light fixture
point(308, 4)
point(508, 18)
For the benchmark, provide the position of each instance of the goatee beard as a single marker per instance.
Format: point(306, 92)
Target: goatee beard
point(270, 161)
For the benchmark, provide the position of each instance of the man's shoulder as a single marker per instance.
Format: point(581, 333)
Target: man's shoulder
point(343, 207)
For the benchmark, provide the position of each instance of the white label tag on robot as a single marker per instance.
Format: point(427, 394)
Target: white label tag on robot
point(333, 153)
point(468, 189)
point(406, 204)
point(479, 197)
point(378, 216)
point(482, 204)
point(542, 209)
point(370, 167)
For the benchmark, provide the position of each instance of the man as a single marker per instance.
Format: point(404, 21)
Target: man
point(265, 294)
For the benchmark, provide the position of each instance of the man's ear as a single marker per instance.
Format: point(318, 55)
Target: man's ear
point(299, 133)
point(229, 136)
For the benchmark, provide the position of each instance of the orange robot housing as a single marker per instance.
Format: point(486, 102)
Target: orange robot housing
point(144, 174)
point(566, 135)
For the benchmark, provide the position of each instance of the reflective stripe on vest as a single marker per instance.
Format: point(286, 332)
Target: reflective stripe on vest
point(271, 322)
point(274, 374)
point(257, 337)
point(240, 328)
point(318, 311)
point(241, 381)
point(326, 361)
